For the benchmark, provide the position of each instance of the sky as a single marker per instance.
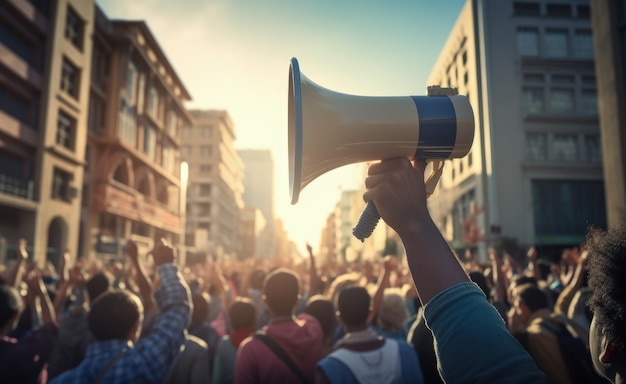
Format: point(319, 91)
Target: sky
point(234, 55)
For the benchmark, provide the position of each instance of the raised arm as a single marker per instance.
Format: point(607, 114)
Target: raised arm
point(314, 282)
point(389, 264)
point(15, 276)
point(141, 277)
point(456, 310)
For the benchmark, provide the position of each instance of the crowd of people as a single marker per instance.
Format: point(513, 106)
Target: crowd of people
point(425, 316)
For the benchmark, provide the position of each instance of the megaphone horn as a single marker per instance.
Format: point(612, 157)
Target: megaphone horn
point(328, 129)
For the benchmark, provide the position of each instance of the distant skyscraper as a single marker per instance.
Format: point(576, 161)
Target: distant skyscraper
point(534, 173)
point(258, 189)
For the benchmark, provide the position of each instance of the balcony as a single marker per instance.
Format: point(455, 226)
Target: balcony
point(124, 201)
point(17, 187)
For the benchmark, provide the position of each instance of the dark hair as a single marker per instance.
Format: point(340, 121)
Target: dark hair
point(200, 310)
point(324, 311)
point(242, 314)
point(481, 281)
point(607, 268)
point(10, 304)
point(257, 278)
point(520, 280)
point(113, 315)
point(354, 306)
point(281, 289)
point(531, 295)
point(98, 284)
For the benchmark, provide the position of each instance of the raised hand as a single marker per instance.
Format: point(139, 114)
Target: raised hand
point(162, 253)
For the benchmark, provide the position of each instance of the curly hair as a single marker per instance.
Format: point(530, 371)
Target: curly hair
point(607, 268)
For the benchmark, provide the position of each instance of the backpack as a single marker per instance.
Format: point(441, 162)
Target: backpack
point(575, 354)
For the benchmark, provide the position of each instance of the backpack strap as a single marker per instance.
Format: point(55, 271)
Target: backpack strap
point(281, 354)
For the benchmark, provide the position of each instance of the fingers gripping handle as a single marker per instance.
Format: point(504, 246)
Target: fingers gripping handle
point(369, 217)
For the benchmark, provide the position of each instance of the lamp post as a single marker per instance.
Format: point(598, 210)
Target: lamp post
point(184, 179)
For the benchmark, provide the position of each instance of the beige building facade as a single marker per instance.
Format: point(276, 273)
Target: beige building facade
point(214, 194)
point(45, 62)
point(136, 114)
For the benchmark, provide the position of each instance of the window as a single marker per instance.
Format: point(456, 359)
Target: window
point(533, 102)
point(149, 141)
point(131, 83)
point(583, 43)
point(588, 80)
point(74, 28)
point(61, 182)
point(469, 159)
point(567, 208)
point(186, 132)
point(16, 107)
point(171, 122)
point(203, 209)
point(563, 79)
point(206, 150)
point(127, 124)
point(206, 168)
point(559, 10)
point(528, 41)
point(537, 147)
point(99, 66)
point(565, 148)
point(66, 129)
point(465, 78)
point(206, 131)
point(204, 190)
point(533, 78)
point(17, 44)
point(464, 58)
point(153, 102)
point(561, 100)
point(593, 149)
point(70, 77)
point(556, 42)
point(525, 9)
point(95, 114)
point(168, 157)
point(185, 151)
point(141, 93)
point(589, 102)
point(583, 12)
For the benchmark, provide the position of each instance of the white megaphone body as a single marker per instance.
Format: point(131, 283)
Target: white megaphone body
point(329, 129)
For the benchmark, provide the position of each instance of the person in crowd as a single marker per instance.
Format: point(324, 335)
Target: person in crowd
point(243, 321)
point(456, 310)
point(74, 335)
point(362, 356)
point(115, 321)
point(537, 332)
point(391, 315)
point(607, 268)
point(23, 360)
point(289, 347)
point(323, 310)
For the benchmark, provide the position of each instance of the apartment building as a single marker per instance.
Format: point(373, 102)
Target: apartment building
point(132, 179)
point(45, 62)
point(534, 173)
point(214, 194)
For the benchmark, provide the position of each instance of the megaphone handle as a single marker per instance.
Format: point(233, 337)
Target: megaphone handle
point(367, 222)
point(370, 217)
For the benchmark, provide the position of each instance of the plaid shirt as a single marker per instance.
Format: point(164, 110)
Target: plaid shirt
point(150, 359)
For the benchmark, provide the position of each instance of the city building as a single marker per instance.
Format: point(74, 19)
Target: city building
point(534, 173)
point(253, 224)
point(258, 192)
point(45, 64)
point(132, 178)
point(214, 194)
point(609, 40)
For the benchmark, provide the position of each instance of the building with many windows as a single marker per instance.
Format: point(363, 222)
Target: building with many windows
point(258, 193)
point(132, 178)
point(214, 194)
point(45, 62)
point(534, 173)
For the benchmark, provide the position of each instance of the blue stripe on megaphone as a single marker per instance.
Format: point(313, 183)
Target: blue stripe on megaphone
point(437, 127)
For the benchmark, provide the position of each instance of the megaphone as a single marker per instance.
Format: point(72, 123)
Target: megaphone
point(328, 129)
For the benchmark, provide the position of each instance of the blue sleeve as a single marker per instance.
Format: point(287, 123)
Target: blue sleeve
point(161, 346)
point(472, 342)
